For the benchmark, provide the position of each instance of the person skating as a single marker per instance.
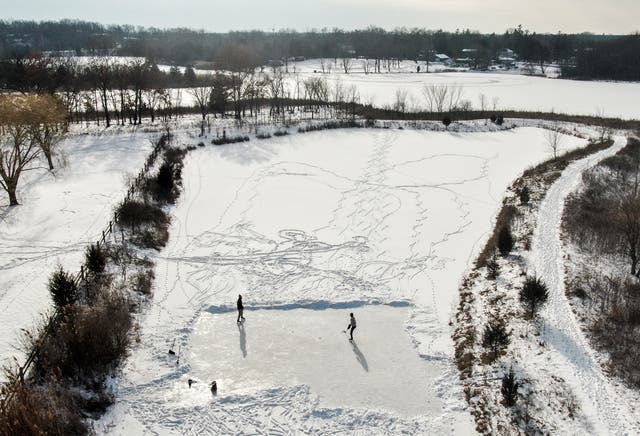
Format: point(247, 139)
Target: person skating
point(240, 309)
point(352, 326)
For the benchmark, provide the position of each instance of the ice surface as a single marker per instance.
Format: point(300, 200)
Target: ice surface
point(380, 370)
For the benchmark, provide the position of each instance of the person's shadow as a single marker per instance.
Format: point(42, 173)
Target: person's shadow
point(243, 339)
point(359, 356)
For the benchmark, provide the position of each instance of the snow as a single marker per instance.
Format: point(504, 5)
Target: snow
point(308, 228)
point(511, 91)
point(60, 214)
point(606, 404)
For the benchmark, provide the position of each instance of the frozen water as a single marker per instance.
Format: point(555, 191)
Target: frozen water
point(380, 370)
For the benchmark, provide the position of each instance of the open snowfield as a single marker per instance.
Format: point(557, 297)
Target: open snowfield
point(512, 91)
point(60, 214)
point(308, 228)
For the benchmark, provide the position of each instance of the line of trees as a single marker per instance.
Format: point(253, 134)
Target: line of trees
point(582, 55)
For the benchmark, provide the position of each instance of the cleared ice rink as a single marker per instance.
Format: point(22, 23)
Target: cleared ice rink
point(379, 370)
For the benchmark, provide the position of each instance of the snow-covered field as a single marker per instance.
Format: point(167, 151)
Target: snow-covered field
point(510, 91)
point(60, 213)
point(382, 223)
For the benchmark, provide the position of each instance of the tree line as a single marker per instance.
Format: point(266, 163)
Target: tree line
point(585, 56)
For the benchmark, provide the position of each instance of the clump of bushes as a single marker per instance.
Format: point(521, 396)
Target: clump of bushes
point(230, 140)
point(281, 133)
point(87, 340)
point(497, 119)
point(263, 135)
point(134, 213)
point(43, 409)
point(329, 125)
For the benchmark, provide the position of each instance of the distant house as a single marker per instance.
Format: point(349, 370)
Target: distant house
point(442, 58)
point(507, 53)
point(507, 62)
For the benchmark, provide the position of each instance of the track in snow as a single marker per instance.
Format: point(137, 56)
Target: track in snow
point(603, 403)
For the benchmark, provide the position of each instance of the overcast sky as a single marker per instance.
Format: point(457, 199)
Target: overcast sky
point(598, 16)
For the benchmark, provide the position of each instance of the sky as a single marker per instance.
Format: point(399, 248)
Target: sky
point(548, 16)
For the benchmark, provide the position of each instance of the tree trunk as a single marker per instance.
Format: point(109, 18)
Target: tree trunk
point(49, 159)
point(13, 200)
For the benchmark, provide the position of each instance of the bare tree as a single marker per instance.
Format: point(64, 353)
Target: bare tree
point(554, 138)
point(201, 97)
point(19, 115)
point(366, 66)
point(604, 131)
point(346, 64)
point(441, 98)
point(48, 125)
point(483, 102)
point(101, 72)
point(400, 104)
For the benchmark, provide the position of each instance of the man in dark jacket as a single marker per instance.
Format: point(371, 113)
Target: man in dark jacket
point(352, 326)
point(240, 309)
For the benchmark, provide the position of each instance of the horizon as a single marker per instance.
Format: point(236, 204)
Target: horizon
point(286, 15)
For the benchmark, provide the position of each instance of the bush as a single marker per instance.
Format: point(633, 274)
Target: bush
point(496, 338)
point(164, 181)
point(156, 238)
point(493, 118)
point(230, 140)
point(493, 267)
point(281, 133)
point(446, 120)
point(62, 288)
point(134, 213)
point(524, 195)
point(142, 282)
point(263, 135)
point(88, 340)
point(95, 259)
point(509, 388)
point(46, 409)
point(533, 294)
point(499, 120)
point(505, 240)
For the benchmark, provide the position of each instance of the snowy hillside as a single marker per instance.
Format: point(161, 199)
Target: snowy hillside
point(308, 228)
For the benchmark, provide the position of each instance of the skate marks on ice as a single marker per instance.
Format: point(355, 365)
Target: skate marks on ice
point(298, 372)
point(605, 404)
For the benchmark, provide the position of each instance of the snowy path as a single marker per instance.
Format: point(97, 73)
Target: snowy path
point(603, 402)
